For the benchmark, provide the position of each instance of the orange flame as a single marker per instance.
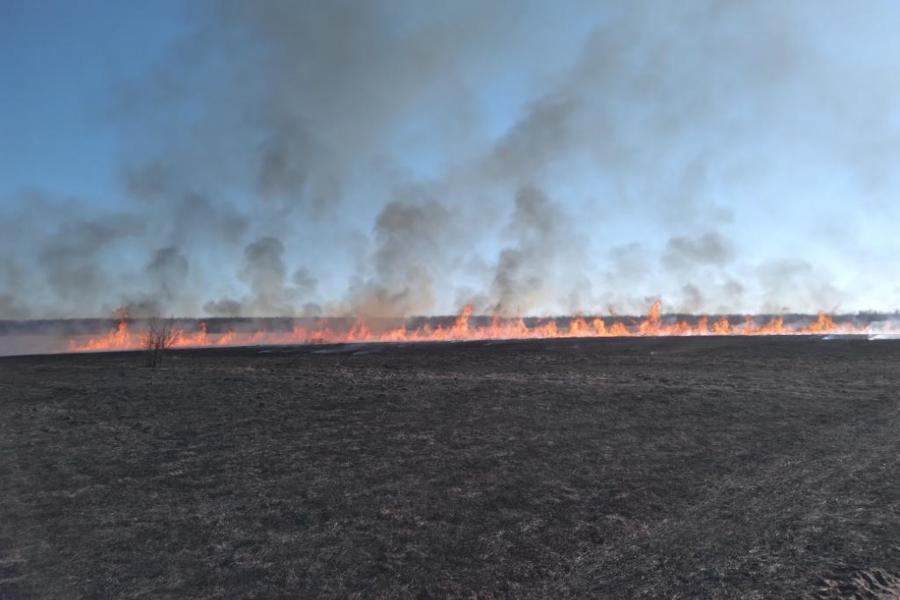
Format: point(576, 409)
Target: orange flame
point(465, 328)
point(824, 324)
point(722, 326)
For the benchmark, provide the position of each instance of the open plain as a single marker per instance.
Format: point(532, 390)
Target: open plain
point(715, 467)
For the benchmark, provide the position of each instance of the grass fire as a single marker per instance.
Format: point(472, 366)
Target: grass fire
point(465, 327)
point(474, 299)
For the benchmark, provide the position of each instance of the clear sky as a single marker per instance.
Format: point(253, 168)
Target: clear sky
point(218, 158)
point(59, 64)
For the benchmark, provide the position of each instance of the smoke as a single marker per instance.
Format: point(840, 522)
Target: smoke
point(408, 260)
point(11, 309)
point(528, 272)
point(539, 138)
point(401, 158)
point(270, 291)
point(168, 269)
point(304, 282)
point(68, 267)
point(264, 271)
point(782, 278)
point(707, 249)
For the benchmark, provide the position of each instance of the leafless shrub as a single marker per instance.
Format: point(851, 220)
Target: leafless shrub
point(160, 336)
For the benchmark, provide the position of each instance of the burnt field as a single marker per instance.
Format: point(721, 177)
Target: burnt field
point(712, 467)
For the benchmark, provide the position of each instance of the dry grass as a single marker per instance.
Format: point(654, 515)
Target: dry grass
point(874, 584)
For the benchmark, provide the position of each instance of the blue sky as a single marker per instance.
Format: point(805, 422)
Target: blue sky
point(59, 65)
point(400, 158)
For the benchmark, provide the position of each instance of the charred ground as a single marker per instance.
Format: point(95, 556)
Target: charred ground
point(680, 467)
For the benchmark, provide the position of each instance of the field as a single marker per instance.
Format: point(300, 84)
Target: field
point(713, 467)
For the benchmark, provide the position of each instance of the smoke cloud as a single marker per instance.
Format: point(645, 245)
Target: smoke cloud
point(401, 158)
point(528, 273)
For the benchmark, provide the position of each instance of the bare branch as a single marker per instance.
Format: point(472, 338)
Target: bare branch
point(160, 336)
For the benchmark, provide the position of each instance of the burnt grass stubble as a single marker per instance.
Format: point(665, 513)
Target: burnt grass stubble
point(680, 468)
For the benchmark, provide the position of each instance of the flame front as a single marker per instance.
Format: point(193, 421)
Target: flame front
point(122, 337)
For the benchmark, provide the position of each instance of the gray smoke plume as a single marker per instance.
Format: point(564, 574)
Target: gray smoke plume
point(10, 309)
point(707, 249)
point(270, 292)
point(226, 307)
point(168, 270)
point(410, 242)
point(796, 279)
point(546, 252)
point(396, 158)
point(264, 271)
point(71, 259)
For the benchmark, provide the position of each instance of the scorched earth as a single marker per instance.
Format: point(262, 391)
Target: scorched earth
point(720, 467)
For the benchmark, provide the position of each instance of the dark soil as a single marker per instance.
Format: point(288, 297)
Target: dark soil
point(678, 468)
